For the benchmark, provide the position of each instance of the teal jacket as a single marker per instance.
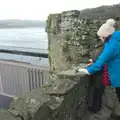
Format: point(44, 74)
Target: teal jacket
point(110, 56)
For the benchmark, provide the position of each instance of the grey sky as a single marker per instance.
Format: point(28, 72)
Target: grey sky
point(40, 9)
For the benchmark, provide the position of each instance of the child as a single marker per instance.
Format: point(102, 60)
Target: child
point(96, 85)
point(98, 82)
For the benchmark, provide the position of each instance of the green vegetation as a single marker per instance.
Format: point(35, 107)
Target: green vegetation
point(112, 11)
point(21, 23)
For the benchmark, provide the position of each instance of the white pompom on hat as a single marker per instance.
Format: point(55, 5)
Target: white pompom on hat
point(110, 22)
point(106, 29)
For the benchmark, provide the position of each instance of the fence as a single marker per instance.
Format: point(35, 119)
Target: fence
point(19, 78)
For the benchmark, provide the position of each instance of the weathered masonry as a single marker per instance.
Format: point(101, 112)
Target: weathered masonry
point(71, 36)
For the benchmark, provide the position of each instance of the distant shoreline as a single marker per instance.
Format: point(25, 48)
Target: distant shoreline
point(22, 24)
point(20, 27)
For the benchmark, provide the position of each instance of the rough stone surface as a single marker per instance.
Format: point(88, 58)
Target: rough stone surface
point(5, 115)
point(109, 97)
point(103, 114)
point(71, 38)
point(63, 100)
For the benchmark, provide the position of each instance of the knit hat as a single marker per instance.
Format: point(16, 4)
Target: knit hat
point(111, 22)
point(106, 29)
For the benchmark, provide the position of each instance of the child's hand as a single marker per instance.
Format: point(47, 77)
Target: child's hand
point(91, 62)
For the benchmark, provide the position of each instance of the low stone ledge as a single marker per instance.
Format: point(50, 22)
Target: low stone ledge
point(28, 105)
point(61, 99)
point(5, 115)
point(109, 97)
point(72, 73)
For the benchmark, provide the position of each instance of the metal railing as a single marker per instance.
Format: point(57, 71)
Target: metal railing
point(18, 78)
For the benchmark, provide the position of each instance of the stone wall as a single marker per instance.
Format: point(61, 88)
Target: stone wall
point(64, 97)
point(71, 39)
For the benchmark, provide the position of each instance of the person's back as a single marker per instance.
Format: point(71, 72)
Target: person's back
point(114, 73)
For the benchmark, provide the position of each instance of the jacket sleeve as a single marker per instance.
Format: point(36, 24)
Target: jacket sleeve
point(109, 52)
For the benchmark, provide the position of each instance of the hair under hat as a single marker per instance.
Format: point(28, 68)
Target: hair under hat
point(106, 29)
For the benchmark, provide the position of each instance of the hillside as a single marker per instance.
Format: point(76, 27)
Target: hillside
point(102, 11)
point(21, 23)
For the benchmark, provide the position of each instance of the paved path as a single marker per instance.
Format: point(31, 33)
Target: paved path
point(5, 101)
